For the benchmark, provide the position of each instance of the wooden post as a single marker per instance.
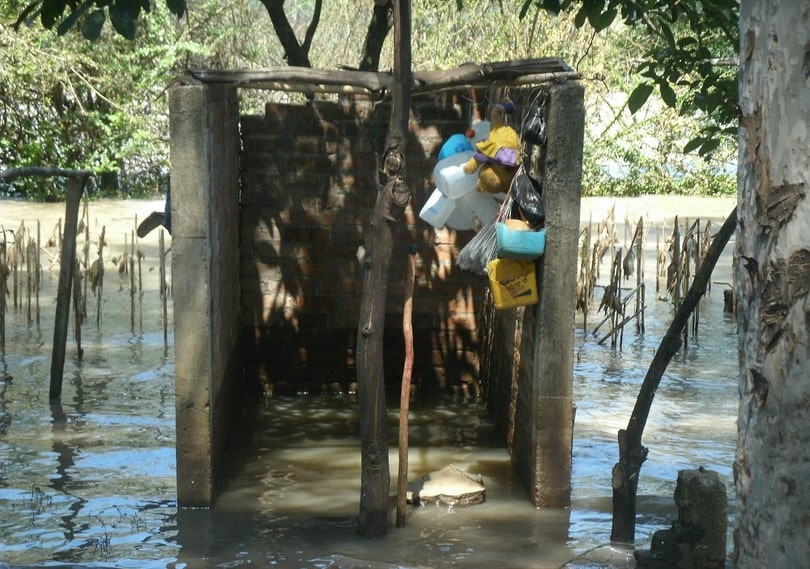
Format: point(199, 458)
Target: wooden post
point(86, 215)
point(38, 274)
point(29, 279)
point(100, 277)
point(16, 267)
point(75, 185)
point(658, 260)
point(140, 281)
point(392, 198)
point(132, 284)
point(77, 308)
point(163, 295)
point(676, 261)
point(685, 274)
point(405, 397)
point(3, 276)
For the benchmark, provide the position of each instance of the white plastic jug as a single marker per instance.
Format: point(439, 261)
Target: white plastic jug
point(450, 177)
point(478, 207)
point(458, 220)
point(437, 209)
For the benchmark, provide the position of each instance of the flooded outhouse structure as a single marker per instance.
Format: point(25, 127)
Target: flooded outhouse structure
point(269, 209)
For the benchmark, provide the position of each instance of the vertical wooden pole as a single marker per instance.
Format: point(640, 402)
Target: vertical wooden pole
point(100, 286)
point(676, 262)
point(405, 397)
point(658, 260)
point(696, 316)
point(38, 278)
point(78, 315)
point(685, 275)
point(640, 299)
point(29, 278)
point(66, 263)
point(392, 197)
point(3, 276)
point(140, 281)
point(16, 260)
point(163, 293)
point(86, 252)
point(132, 283)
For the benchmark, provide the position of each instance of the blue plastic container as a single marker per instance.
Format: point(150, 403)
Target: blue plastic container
point(522, 244)
point(454, 144)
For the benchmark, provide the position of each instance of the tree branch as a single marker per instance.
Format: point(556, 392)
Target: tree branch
point(313, 25)
point(381, 22)
point(294, 53)
point(14, 173)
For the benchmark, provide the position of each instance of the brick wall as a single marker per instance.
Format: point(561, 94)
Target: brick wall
point(307, 192)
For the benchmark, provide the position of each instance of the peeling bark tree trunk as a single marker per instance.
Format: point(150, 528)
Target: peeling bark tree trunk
point(631, 452)
point(773, 279)
point(392, 198)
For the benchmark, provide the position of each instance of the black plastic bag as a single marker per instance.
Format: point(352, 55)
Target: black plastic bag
point(528, 196)
point(534, 127)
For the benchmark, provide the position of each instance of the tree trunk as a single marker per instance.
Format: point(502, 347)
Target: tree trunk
point(392, 198)
point(378, 29)
point(296, 53)
point(773, 280)
point(631, 453)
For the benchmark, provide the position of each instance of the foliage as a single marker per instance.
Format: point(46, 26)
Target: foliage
point(690, 55)
point(67, 103)
point(90, 16)
point(72, 103)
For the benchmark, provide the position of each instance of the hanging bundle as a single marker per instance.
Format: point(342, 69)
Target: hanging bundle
point(517, 238)
point(482, 248)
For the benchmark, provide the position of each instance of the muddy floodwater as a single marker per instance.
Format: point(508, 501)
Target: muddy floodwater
point(90, 481)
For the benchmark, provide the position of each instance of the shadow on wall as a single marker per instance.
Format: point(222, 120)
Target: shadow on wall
point(308, 188)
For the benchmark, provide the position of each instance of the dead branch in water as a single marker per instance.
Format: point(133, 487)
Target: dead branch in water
point(631, 453)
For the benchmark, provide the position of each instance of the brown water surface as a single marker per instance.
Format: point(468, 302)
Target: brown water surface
point(90, 482)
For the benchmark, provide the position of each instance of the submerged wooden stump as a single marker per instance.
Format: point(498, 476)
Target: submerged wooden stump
point(448, 486)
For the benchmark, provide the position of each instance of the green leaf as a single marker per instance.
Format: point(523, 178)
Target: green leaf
point(525, 8)
point(603, 20)
point(639, 96)
point(686, 42)
point(122, 19)
point(581, 16)
point(51, 11)
point(667, 94)
point(177, 7)
point(70, 21)
point(693, 144)
point(666, 31)
point(92, 25)
point(709, 146)
point(28, 11)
